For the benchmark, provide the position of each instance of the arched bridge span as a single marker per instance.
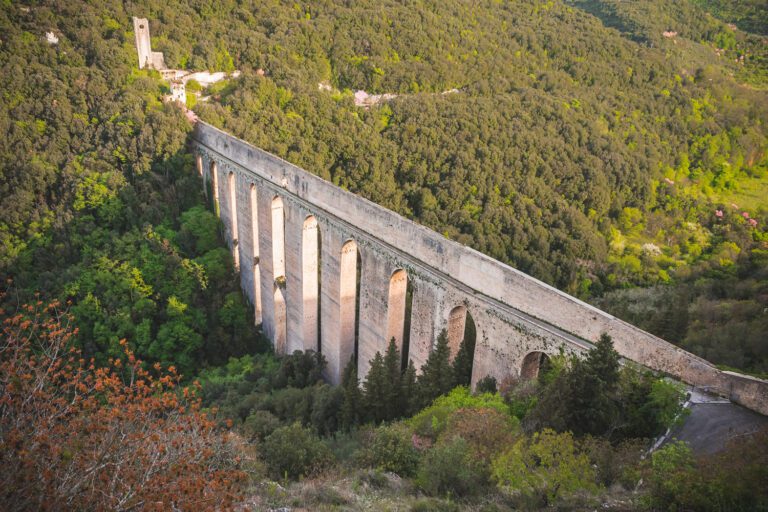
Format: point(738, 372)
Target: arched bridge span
point(330, 271)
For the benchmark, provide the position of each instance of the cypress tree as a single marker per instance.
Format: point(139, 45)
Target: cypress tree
point(462, 365)
point(436, 374)
point(376, 390)
point(393, 391)
point(409, 391)
point(595, 389)
point(603, 362)
point(351, 406)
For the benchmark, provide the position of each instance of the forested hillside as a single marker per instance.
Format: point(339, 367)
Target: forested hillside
point(748, 15)
point(584, 146)
point(99, 203)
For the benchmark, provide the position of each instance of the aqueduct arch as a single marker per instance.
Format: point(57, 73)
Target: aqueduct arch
point(532, 364)
point(461, 327)
point(234, 237)
point(361, 300)
point(396, 307)
point(215, 186)
point(349, 298)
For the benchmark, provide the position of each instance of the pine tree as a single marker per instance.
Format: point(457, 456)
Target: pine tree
point(582, 399)
point(603, 362)
point(595, 389)
point(436, 374)
point(392, 366)
point(351, 406)
point(376, 390)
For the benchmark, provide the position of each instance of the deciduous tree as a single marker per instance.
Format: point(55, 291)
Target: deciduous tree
point(120, 437)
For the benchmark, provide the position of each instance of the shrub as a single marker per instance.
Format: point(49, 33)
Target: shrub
point(545, 468)
point(391, 449)
point(648, 404)
point(672, 475)
point(521, 396)
point(487, 385)
point(292, 404)
point(614, 463)
point(300, 369)
point(450, 470)
point(239, 376)
point(733, 479)
point(431, 422)
point(375, 478)
point(434, 505)
point(77, 437)
point(322, 494)
point(487, 431)
point(326, 403)
point(260, 424)
point(193, 85)
point(294, 451)
point(345, 445)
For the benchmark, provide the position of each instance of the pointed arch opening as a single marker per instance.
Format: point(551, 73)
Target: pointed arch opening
point(462, 337)
point(278, 273)
point(534, 363)
point(232, 197)
point(407, 328)
point(254, 208)
point(281, 318)
point(215, 187)
point(278, 238)
point(199, 164)
point(398, 312)
point(349, 300)
point(310, 278)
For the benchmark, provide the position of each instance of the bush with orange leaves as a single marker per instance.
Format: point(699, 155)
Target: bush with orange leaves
point(73, 436)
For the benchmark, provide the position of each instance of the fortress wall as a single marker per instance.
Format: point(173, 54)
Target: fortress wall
point(438, 264)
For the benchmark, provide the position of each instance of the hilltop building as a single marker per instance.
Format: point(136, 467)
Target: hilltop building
point(178, 78)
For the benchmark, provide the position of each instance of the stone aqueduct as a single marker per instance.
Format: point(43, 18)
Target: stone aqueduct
point(330, 271)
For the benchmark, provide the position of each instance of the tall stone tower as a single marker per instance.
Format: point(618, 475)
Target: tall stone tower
point(143, 46)
point(147, 58)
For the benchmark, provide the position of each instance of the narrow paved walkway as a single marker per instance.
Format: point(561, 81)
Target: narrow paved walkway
point(714, 421)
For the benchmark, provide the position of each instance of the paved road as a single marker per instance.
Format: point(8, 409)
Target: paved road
point(714, 421)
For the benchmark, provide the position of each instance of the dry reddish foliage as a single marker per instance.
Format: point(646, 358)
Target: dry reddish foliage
point(73, 436)
point(487, 431)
